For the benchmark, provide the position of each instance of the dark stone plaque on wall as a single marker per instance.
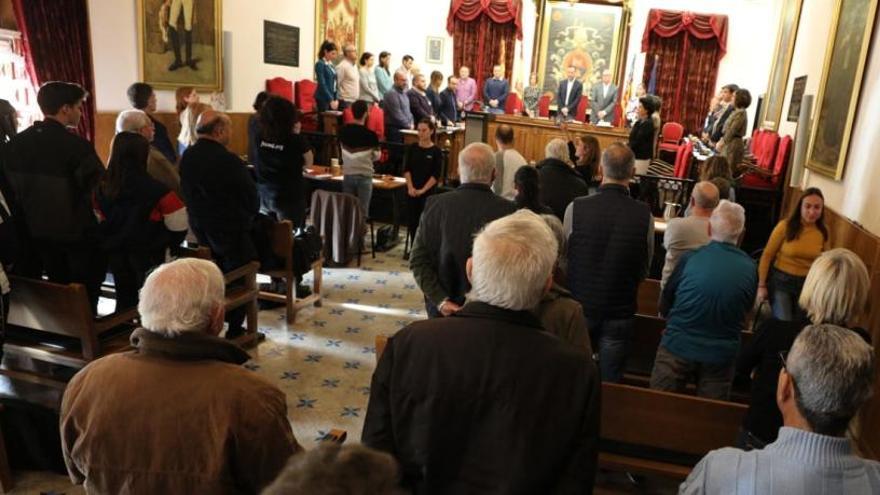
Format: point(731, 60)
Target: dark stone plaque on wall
point(797, 94)
point(280, 44)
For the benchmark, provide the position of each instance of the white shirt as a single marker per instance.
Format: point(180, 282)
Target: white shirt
point(568, 92)
point(605, 88)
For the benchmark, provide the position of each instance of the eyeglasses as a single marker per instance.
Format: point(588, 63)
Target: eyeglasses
point(783, 357)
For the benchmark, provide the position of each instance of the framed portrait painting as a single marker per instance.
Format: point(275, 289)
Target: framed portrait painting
point(588, 36)
point(180, 43)
point(838, 98)
point(340, 21)
point(774, 98)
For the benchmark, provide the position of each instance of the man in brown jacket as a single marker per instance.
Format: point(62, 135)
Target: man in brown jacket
point(179, 414)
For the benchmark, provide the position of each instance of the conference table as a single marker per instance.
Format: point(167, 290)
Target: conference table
point(531, 135)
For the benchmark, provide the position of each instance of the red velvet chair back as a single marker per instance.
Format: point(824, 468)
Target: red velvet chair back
point(581, 114)
point(618, 116)
point(672, 133)
point(544, 106)
point(375, 120)
point(280, 87)
point(305, 95)
point(768, 150)
point(683, 160)
point(478, 107)
point(781, 161)
point(513, 105)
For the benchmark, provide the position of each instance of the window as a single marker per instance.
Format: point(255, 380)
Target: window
point(15, 85)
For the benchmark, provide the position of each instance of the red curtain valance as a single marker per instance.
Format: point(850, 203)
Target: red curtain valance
point(668, 23)
point(499, 11)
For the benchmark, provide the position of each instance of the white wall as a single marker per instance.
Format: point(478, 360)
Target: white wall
point(856, 195)
point(114, 49)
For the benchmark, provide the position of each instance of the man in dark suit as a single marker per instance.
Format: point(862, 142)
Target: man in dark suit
point(568, 96)
point(221, 200)
point(419, 104)
point(486, 401)
point(603, 97)
point(727, 93)
point(447, 113)
point(446, 231)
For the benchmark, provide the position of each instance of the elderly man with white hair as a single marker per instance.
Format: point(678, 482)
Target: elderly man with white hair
point(825, 379)
point(560, 183)
point(443, 241)
point(179, 414)
point(705, 302)
point(488, 401)
point(158, 166)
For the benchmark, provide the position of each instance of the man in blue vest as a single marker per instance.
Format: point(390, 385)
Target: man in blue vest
point(611, 241)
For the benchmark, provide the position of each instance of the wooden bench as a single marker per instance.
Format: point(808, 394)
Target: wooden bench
point(241, 290)
point(648, 299)
point(281, 238)
point(54, 323)
point(649, 432)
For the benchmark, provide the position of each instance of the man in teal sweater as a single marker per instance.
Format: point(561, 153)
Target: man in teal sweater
point(825, 380)
point(705, 302)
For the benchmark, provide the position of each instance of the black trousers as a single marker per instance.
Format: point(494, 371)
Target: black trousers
point(231, 248)
point(67, 263)
point(130, 269)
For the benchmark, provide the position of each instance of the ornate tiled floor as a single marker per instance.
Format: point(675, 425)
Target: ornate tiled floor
point(324, 361)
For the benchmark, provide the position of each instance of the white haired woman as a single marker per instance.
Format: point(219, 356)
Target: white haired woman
point(835, 292)
point(560, 183)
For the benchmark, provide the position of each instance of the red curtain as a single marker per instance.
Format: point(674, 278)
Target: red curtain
point(57, 47)
point(688, 48)
point(484, 33)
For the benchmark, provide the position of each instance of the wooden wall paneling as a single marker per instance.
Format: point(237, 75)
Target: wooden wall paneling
point(532, 135)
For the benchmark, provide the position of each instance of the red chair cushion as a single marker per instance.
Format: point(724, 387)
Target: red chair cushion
point(513, 105)
point(581, 114)
point(305, 95)
point(683, 160)
point(672, 133)
point(280, 87)
point(375, 120)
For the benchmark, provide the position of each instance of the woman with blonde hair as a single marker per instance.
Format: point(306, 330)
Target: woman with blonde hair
point(835, 292)
point(187, 113)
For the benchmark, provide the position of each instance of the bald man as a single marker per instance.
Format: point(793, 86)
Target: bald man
point(221, 198)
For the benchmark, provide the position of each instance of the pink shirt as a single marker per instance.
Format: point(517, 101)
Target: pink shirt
point(466, 92)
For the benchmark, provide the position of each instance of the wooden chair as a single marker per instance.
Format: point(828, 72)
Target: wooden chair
point(281, 237)
point(241, 290)
point(54, 323)
point(651, 432)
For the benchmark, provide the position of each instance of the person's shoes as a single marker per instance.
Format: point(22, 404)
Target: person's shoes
point(175, 65)
point(303, 291)
point(234, 333)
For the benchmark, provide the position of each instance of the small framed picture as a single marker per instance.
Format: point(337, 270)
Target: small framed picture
point(435, 50)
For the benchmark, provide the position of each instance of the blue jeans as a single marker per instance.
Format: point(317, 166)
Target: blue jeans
point(614, 337)
point(785, 290)
point(360, 186)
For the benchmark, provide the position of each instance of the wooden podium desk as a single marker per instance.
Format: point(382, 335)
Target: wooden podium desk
point(449, 139)
point(532, 135)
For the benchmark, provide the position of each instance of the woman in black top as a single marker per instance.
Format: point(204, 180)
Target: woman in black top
point(835, 292)
point(422, 165)
point(139, 217)
point(641, 137)
point(282, 156)
point(528, 191)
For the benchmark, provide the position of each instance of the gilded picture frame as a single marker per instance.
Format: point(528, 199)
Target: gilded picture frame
point(774, 98)
point(342, 22)
point(837, 101)
point(180, 43)
point(589, 35)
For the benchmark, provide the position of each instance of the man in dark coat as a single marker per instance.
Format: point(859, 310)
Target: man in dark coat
point(568, 96)
point(445, 236)
point(447, 112)
point(52, 173)
point(419, 104)
point(221, 200)
point(559, 182)
point(486, 401)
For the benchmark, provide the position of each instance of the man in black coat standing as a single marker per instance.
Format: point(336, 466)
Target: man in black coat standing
point(486, 401)
point(559, 182)
point(52, 173)
point(568, 96)
point(445, 236)
point(221, 200)
point(447, 112)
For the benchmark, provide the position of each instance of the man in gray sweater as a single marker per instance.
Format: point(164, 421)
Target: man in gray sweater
point(826, 378)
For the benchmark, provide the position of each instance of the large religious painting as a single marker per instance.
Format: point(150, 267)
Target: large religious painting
point(585, 35)
point(838, 97)
point(340, 21)
point(180, 43)
point(774, 99)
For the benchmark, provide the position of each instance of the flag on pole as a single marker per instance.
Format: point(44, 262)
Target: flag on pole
point(652, 83)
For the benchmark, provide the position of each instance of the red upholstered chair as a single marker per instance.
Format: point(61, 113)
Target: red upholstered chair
point(683, 160)
point(618, 116)
point(513, 105)
point(544, 106)
point(671, 135)
point(305, 102)
point(478, 107)
point(581, 114)
point(375, 120)
point(280, 87)
point(767, 177)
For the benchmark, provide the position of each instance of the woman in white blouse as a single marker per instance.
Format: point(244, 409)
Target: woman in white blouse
point(369, 90)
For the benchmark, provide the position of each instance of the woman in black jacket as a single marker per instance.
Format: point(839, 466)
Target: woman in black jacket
point(835, 292)
point(528, 191)
point(641, 137)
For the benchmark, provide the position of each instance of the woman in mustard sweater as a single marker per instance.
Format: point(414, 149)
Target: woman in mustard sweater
point(790, 251)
